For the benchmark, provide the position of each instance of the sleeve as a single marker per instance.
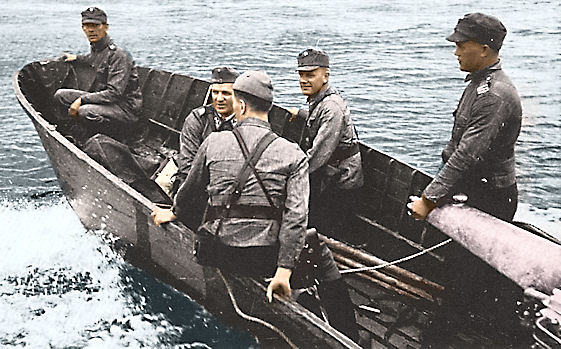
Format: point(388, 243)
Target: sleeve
point(189, 143)
point(331, 120)
point(481, 131)
point(120, 67)
point(295, 216)
point(194, 185)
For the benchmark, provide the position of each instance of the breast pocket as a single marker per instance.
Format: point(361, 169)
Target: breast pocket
point(101, 73)
point(461, 120)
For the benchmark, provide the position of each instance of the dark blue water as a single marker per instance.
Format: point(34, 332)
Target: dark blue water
point(389, 58)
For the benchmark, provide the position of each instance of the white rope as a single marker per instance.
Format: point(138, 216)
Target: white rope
point(415, 255)
point(252, 318)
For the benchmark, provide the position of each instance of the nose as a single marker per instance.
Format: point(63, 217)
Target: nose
point(220, 96)
point(456, 53)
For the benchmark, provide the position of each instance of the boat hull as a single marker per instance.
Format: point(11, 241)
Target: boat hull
point(102, 201)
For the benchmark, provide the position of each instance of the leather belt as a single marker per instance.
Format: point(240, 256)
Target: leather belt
point(243, 211)
point(344, 153)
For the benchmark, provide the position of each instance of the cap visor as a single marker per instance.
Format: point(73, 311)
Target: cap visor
point(457, 37)
point(308, 68)
point(95, 21)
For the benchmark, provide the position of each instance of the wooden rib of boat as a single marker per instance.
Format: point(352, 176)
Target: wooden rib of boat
point(393, 304)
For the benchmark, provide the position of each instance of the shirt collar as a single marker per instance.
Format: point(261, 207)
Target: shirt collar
point(101, 44)
point(478, 75)
point(254, 122)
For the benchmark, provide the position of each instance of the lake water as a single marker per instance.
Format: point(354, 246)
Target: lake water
point(61, 286)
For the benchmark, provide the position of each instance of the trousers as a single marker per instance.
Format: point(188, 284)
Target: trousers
point(260, 261)
point(108, 119)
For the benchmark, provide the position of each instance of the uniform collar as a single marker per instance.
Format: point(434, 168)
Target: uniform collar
point(478, 75)
point(101, 44)
point(320, 96)
point(254, 122)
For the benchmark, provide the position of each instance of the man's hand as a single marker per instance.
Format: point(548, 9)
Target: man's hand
point(294, 112)
point(73, 110)
point(280, 284)
point(421, 207)
point(161, 215)
point(69, 57)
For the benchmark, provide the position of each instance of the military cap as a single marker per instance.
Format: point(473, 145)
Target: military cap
point(224, 75)
point(311, 59)
point(256, 83)
point(479, 27)
point(94, 15)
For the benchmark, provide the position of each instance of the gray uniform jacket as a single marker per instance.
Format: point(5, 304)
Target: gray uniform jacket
point(116, 80)
point(283, 168)
point(486, 125)
point(197, 126)
point(330, 130)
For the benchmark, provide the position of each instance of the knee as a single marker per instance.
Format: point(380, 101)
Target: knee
point(59, 95)
point(65, 96)
point(89, 112)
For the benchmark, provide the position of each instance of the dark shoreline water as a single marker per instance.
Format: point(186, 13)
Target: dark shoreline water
point(390, 60)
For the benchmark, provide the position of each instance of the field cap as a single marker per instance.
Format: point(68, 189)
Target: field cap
point(223, 75)
point(479, 27)
point(94, 15)
point(256, 83)
point(311, 59)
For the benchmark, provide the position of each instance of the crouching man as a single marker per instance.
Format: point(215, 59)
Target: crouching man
point(111, 104)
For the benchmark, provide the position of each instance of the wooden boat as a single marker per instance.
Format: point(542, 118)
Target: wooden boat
point(393, 304)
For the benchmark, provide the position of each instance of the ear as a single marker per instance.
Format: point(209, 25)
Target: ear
point(326, 76)
point(486, 51)
point(242, 106)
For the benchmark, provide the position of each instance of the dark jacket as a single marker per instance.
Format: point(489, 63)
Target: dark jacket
point(197, 126)
point(486, 125)
point(116, 80)
point(283, 168)
point(330, 130)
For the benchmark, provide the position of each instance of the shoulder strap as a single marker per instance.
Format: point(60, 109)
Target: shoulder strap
point(249, 165)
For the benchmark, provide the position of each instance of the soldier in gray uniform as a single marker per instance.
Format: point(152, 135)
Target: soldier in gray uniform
point(479, 161)
point(111, 104)
point(256, 216)
point(331, 142)
point(217, 116)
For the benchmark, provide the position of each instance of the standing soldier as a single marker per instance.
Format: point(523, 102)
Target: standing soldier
point(257, 185)
point(331, 142)
point(217, 116)
point(478, 161)
point(111, 103)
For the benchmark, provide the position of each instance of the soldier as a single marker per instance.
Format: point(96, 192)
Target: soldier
point(111, 103)
point(331, 142)
point(257, 211)
point(478, 161)
point(217, 116)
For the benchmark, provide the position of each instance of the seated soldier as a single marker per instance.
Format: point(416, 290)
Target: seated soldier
point(110, 105)
point(257, 209)
point(217, 116)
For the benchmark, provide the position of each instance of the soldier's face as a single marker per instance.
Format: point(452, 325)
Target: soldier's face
point(311, 82)
point(95, 32)
point(470, 55)
point(222, 98)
